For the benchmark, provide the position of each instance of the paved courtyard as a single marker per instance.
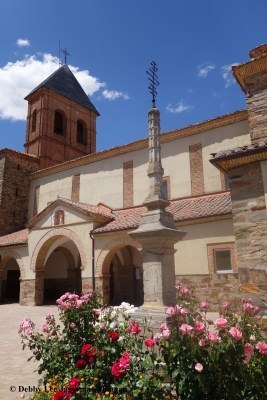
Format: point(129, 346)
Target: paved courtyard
point(14, 369)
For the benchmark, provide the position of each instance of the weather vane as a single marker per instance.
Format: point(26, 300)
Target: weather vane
point(154, 83)
point(65, 52)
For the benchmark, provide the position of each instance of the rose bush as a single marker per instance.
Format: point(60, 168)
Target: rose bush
point(221, 361)
point(99, 353)
point(102, 353)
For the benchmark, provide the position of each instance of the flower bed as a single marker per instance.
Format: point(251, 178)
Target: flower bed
point(104, 353)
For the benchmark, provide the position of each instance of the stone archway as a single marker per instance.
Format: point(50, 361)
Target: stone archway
point(119, 271)
point(11, 273)
point(52, 278)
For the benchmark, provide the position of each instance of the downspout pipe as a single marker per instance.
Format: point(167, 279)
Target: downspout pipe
point(93, 258)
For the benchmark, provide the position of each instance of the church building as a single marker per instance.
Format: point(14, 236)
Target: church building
point(72, 219)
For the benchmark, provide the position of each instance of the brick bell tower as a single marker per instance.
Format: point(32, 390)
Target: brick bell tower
point(61, 121)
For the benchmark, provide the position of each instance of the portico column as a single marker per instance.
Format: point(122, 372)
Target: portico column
point(39, 287)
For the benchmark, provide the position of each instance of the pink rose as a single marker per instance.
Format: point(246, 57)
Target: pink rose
point(202, 343)
point(170, 311)
point(184, 292)
point(213, 337)
point(72, 325)
point(185, 329)
point(236, 333)
point(204, 304)
point(166, 333)
point(221, 323)
point(261, 347)
point(149, 342)
point(225, 304)
point(199, 367)
point(199, 327)
point(163, 326)
point(184, 312)
point(248, 349)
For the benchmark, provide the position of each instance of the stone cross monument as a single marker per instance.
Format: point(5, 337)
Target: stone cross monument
point(157, 232)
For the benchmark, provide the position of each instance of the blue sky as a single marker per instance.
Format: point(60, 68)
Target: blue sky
point(194, 43)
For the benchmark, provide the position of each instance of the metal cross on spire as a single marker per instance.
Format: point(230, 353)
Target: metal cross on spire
point(65, 52)
point(154, 83)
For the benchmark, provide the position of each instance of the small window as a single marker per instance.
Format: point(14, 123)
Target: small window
point(59, 217)
point(166, 187)
point(81, 133)
point(34, 116)
point(227, 182)
point(58, 123)
point(222, 261)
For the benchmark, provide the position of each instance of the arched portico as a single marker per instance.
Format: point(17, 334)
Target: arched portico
point(11, 274)
point(57, 261)
point(119, 267)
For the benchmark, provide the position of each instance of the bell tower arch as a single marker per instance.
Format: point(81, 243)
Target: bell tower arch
point(55, 109)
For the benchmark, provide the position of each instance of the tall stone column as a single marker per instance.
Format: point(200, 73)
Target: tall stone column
point(39, 287)
point(157, 232)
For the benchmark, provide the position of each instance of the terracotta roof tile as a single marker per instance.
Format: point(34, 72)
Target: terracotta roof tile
point(185, 209)
point(19, 237)
point(100, 209)
point(241, 150)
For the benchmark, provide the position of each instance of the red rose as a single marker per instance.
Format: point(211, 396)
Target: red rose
point(149, 342)
point(81, 364)
point(67, 354)
point(74, 384)
point(62, 395)
point(135, 329)
point(89, 352)
point(113, 335)
point(116, 370)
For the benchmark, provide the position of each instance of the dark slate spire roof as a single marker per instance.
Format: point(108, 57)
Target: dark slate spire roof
point(63, 81)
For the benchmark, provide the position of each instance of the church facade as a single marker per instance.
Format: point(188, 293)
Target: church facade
point(67, 212)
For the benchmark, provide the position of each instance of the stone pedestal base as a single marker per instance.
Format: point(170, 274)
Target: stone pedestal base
point(155, 316)
point(27, 292)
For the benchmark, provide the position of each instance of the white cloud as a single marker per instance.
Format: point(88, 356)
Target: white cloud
point(227, 74)
point(18, 78)
point(179, 108)
point(204, 70)
point(23, 43)
point(114, 94)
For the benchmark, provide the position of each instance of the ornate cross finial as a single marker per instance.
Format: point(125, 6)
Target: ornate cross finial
point(154, 83)
point(65, 52)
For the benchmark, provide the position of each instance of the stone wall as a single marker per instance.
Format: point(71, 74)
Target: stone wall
point(15, 186)
point(215, 288)
point(250, 227)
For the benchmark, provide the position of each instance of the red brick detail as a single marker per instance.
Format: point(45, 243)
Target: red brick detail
point(196, 169)
point(54, 148)
point(75, 189)
point(36, 200)
point(168, 183)
point(128, 184)
point(222, 246)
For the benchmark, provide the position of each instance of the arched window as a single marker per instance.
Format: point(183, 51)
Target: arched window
point(81, 133)
point(59, 123)
point(34, 115)
point(59, 217)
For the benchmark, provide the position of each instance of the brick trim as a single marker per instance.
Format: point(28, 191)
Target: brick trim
point(128, 184)
point(75, 188)
point(36, 200)
point(222, 246)
point(167, 179)
point(196, 169)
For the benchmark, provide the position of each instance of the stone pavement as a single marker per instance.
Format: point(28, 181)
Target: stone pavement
point(14, 368)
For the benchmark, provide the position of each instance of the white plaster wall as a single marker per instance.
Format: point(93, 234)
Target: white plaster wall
point(102, 181)
point(191, 256)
